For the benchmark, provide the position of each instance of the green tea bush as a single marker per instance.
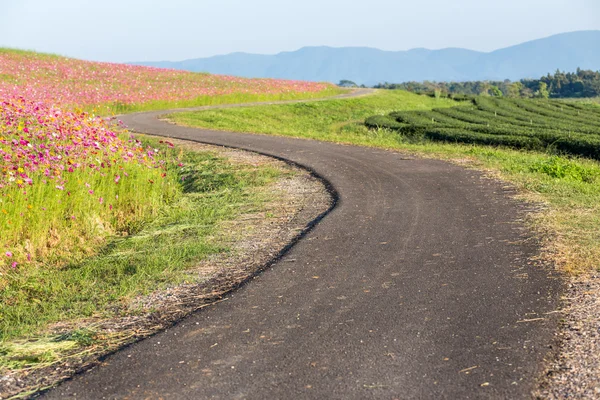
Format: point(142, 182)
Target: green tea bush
point(523, 124)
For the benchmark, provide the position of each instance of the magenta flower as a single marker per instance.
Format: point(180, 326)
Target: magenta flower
point(8, 254)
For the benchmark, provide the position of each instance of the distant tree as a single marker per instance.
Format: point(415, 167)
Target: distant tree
point(526, 92)
point(582, 83)
point(495, 91)
point(347, 83)
point(514, 89)
point(542, 91)
point(482, 88)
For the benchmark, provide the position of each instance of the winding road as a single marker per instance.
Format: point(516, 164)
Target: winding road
point(419, 284)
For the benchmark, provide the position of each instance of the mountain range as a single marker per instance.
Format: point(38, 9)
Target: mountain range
point(369, 66)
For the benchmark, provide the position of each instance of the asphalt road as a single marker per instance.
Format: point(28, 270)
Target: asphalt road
point(417, 285)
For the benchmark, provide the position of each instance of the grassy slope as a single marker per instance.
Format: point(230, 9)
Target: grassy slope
point(51, 291)
point(237, 98)
point(112, 108)
point(334, 120)
point(156, 257)
point(573, 215)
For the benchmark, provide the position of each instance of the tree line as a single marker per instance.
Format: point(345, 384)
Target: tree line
point(582, 83)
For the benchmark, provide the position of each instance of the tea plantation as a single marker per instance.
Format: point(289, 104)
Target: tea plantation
point(532, 124)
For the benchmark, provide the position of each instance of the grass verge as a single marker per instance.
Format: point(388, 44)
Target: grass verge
point(37, 301)
point(568, 186)
point(324, 120)
point(234, 98)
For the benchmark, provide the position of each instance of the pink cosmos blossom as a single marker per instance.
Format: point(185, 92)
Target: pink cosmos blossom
point(46, 139)
point(75, 83)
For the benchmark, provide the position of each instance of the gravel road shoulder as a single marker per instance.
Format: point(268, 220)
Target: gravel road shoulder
point(575, 373)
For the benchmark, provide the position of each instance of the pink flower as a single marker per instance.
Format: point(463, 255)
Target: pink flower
point(117, 178)
point(101, 200)
point(14, 265)
point(8, 254)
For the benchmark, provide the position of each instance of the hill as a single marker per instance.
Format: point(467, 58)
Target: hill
point(363, 65)
point(110, 88)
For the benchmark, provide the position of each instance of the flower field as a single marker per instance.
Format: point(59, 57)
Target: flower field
point(68, 177)
point(107, 87)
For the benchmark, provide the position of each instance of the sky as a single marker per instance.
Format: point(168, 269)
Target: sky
point(151, 30)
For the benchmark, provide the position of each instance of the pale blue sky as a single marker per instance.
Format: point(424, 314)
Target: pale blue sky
point(144, 30)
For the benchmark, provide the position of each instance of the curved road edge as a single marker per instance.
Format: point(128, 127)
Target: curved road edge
point(419, 284)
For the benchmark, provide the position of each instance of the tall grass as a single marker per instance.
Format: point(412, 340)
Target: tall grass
point(154, 253)
point(41, 222)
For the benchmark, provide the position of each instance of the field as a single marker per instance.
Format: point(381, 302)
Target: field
point(332, 120)
point(78, 241)
point(106, 88)
point(92, 217)
point(61, 167)
point(543, 125)
point(567, 186)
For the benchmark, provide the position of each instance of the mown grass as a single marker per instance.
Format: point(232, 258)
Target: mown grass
point(235, 98)
point(569, 186)
point(324, 120)
point(182, 233)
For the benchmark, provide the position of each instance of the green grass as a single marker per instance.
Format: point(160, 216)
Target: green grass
point(43, 223)
point(591, 101)
point(331, 120)
point(569, 186)
point(235, 98)
point(211, 190)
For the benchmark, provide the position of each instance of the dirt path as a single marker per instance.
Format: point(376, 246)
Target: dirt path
point(418, 284)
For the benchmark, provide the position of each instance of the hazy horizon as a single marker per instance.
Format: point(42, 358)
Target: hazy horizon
point(408, 49)
point(151, 30)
